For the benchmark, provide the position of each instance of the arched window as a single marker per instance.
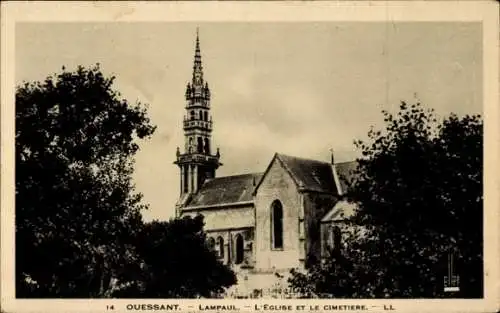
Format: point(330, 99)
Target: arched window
point(220, 246)
point(185, 180)
point(192, 115)
point(277, 225)
point(190, 146)
point(200, 145)
point(211, 243)
point(205, 115)
point(206, 146)
point(239, 249)
point(335, 238)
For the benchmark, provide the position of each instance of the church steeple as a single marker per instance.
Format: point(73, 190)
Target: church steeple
point(197, 163)
point(197, 67)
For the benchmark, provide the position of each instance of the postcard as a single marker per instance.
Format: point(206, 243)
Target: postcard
point(250, 156)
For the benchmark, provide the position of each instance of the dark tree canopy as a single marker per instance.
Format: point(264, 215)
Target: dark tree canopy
point(177, 262)
point(76, 208)
point(79, 229)
point(419, 191)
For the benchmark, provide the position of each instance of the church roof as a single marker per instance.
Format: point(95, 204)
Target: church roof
point(224, 190)
point(309, 174)
point(341, 210)
point(345, 174)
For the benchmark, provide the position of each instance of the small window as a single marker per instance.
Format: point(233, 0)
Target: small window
point(335, 238)
point(239, 249)
point(200, 145)
point(211, 243)
point(190, 145)
point(205, 115)
point(277, 224)
point(220, 246)
point(206, 146)
point(192, 115)
point(185, 180)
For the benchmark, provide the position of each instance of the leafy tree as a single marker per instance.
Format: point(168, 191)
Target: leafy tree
point(76, 209)
point(177, 263)
point(79, 229)
point(419, 191)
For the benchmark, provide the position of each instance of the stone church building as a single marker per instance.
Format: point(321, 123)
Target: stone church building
point(261, 224)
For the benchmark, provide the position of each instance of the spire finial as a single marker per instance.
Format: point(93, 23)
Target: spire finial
point(332, 157)
point(197, 68)
point(197, 51)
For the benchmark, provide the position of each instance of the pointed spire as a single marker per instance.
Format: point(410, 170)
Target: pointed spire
point(197, 53)
point(197, 67)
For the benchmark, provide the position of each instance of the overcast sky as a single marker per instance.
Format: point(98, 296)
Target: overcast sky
point(293, 88)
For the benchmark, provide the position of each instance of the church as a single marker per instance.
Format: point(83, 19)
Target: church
point(260, 224)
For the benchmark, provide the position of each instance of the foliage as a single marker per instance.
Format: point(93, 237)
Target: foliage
point(177, 263)
point(419, 191)
point(76, 209)
point(79, 229)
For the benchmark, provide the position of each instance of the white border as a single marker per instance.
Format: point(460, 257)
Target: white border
point(487, 12)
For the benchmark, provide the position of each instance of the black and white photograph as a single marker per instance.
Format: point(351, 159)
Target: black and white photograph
point(249, 160)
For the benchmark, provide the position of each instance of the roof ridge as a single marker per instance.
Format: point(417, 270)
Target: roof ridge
point(237, 175)
point(288, 169)
point(314, 160)
point(301, 158)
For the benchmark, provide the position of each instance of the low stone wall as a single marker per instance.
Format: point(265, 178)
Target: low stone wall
point(270, 285)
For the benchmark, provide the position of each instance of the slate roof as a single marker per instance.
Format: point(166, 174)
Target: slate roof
point(224, 190)
point(340, 211)
point(345, 172)
point(309, 174)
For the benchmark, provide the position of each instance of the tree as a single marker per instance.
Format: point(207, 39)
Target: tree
point(76, 209)
point(419, 191)
point(177, 262)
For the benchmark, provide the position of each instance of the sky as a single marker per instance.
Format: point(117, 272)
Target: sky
point(294, 88)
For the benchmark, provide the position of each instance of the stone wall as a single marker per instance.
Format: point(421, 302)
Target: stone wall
point(227, 223)
point(277, 185)
point(225, 217)
point(316, 205)
point(257, 285)
point(229, 247)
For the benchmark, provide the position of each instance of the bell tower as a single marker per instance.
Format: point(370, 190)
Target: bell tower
point(197, 162)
